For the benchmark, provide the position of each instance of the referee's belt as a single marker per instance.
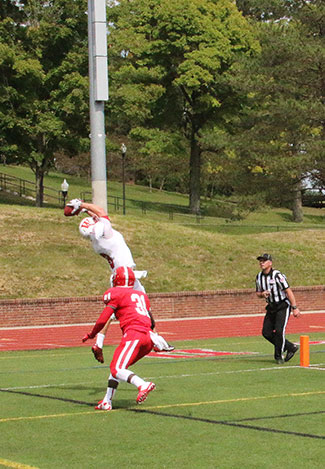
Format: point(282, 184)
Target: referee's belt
point(274, 304)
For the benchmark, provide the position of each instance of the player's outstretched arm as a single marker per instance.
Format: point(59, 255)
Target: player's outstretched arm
point(93, 209)
point(76, 206)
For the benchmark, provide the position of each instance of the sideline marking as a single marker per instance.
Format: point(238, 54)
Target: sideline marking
point(166, 406)
point(17, 465)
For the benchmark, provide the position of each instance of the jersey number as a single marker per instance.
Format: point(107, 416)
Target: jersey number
point(107, 298)
point(141, 307)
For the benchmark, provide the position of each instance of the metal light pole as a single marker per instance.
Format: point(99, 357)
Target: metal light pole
point(64, 190)
point(123, 150)
point(98, 94)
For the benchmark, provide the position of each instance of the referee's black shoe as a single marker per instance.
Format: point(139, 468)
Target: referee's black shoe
point(290, 353)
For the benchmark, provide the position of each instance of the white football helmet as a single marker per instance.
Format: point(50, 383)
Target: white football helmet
point(86, 226)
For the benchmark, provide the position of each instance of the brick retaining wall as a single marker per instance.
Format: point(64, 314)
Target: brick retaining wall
point(56, 311)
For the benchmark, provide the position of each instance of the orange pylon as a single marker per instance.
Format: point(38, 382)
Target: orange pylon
point(304, 350)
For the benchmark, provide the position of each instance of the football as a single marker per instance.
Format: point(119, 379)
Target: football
point(68, 211)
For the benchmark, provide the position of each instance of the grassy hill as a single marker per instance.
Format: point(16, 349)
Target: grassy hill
point(78, 185)
point(43, 255)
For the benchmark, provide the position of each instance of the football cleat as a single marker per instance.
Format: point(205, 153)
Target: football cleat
point(290, 353)
point(103, 405)
point(144, 391)
point(98, 353)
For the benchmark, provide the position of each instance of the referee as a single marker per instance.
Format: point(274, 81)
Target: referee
point(273, 286)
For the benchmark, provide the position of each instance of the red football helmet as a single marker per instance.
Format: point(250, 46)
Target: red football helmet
point(123, 277)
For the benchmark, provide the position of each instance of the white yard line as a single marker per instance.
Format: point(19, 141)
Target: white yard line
point(318, 366)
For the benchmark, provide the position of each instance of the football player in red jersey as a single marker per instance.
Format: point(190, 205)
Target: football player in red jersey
point(132, 309)
point(110, 244)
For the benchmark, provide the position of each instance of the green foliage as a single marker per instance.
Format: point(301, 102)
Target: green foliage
point(208, 100)
point(43, 84)
point(281, 125)
point(161, 157)
point(169, 64)
point(235, 208)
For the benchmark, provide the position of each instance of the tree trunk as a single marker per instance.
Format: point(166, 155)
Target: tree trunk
point(195, 176)
point(297, 204)
point(162, 183)
point(39, 187)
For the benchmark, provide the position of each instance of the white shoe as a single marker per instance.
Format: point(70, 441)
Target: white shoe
point(144, 391)
point(104, 405)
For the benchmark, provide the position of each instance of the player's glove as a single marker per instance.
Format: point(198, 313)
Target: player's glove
point(75, 203)
point(98, 353)
point(86, 337)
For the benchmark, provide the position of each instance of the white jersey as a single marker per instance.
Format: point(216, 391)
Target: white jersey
point(111, 244)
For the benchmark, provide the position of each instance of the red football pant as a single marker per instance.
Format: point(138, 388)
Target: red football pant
point(134, 345)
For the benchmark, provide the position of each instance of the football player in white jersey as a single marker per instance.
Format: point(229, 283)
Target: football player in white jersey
point(110, 244)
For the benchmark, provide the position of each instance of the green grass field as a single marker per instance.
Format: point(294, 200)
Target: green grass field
point(227, 412)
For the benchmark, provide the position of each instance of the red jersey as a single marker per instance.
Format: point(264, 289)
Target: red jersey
point(131, 309)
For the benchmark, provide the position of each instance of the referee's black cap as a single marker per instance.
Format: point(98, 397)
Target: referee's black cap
point(264, 257)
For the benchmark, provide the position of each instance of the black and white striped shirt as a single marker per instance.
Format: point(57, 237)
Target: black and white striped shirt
point(275, 282)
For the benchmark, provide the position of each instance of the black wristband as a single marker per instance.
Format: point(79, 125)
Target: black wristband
point(294, 307)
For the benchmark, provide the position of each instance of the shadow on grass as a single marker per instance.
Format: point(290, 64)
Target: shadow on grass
point(240, 230)
point(12, 199)
point(6, 198)
point(317, 219)
point(287, 217)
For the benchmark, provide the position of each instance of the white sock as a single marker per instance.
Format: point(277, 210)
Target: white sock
point(111, 389)
point(137, 381)
point(123, 375)
point(100, 340)
point(109, 394)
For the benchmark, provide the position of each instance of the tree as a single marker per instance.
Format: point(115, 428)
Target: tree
point(169, 65)
point(43, 83)
point(282, 125)
point(162, 158)
point(10, 9)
